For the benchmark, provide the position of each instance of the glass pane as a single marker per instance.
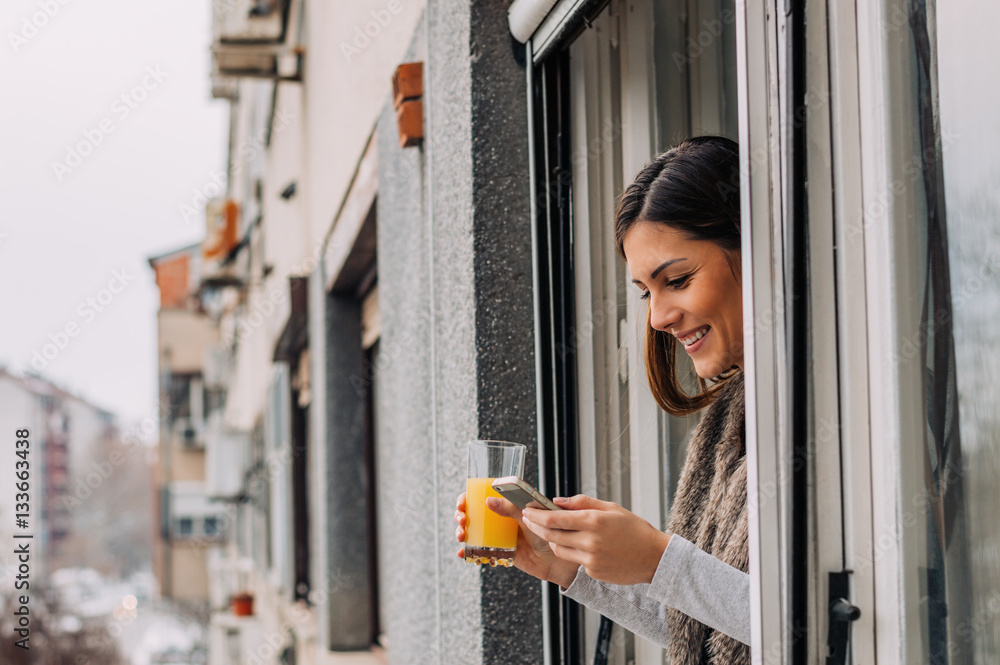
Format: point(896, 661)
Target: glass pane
point(967, 53)
point(952, 536)
point(595, 121)
point(602, 406)
point(695, 59)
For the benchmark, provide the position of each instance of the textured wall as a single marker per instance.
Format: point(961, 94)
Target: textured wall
point(505, 367)
point(426, 386)
point(457, 344)
point(189, 577)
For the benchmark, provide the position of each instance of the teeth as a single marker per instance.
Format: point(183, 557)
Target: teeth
point(688, 341)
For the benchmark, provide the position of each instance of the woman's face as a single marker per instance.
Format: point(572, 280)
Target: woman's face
point(692, 292)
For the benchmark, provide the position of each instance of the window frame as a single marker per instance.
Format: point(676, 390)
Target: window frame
point(554, 249)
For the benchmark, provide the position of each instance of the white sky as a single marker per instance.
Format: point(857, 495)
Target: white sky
point(61, 242)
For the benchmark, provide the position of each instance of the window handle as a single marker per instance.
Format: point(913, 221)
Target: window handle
point(842, 614)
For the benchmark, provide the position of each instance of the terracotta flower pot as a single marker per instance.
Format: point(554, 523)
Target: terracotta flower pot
point(243, 604)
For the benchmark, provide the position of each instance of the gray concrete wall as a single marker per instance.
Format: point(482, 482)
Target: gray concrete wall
point(505, 367)
point(456, 305)
point(409, 543)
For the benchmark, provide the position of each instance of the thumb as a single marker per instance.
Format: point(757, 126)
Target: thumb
point(502, 507)
point(579, 502)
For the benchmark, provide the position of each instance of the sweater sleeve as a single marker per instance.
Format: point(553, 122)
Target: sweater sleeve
point(687, 579)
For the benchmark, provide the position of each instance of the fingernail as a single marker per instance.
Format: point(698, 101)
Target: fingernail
point(492, 502)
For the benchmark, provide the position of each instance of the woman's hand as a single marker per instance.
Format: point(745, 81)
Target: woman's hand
point(533, 555)
point(611, 543)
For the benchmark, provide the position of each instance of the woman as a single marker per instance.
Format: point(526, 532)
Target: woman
point(678, 229)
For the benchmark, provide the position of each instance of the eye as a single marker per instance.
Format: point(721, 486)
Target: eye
point(679, 283)
point(644, 295)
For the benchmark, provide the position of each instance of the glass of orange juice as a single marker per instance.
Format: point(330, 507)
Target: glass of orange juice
point(490, 538)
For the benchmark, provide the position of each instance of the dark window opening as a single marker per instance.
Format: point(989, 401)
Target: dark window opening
point(300, 495)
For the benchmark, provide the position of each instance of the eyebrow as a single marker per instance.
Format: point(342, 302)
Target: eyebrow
point(662, 266)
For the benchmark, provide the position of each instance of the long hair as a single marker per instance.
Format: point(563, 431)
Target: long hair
point(693, 188)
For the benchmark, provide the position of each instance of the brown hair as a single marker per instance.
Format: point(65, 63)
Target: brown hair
point(693, 188)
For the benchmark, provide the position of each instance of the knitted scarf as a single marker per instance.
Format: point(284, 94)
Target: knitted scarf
point(710, 510)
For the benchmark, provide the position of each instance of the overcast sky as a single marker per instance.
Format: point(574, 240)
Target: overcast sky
point(107, 126)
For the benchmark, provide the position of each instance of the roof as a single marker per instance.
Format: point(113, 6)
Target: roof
point(187, 249)
point(37, 384)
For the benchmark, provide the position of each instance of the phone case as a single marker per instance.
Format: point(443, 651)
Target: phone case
point(521, 494)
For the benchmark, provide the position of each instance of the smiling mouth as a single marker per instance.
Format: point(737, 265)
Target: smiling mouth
point(695, 336)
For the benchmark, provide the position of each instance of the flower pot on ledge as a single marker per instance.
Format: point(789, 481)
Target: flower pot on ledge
point(243, 604)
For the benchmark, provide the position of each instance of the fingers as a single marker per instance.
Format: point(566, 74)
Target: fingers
point(582, 502)
point(462, 519)
point(503, 507)
point(570, 554)
point(460, 508)
point(573, 539)
point(567, 520)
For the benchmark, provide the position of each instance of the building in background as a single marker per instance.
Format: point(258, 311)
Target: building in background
point(188, 525)
point(69, 475)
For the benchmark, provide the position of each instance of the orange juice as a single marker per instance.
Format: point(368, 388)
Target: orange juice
point(490, 538)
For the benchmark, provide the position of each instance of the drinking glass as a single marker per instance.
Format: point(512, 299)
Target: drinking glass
point(490, 538)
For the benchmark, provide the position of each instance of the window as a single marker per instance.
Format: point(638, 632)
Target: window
point(367, 293)
point(300, 396)
point(179, 395)
point(185, 527)
point(627, 84)
point(353, 614)
point(945, 357)
point(273, 477)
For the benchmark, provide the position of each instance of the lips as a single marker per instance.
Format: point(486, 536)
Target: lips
point(693, 337)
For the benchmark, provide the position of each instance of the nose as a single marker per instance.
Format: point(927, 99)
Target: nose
point(663, 313)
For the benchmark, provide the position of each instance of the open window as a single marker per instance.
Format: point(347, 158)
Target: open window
point(612, 84)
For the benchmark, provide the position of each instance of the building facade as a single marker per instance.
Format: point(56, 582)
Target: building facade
point(415, 249)
point(64, 468)
point(187, 525)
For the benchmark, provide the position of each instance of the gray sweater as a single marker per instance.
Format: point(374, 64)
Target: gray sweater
point(687, 579)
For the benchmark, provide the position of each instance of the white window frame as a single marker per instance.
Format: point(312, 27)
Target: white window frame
point(894, 300)
point(759, 43)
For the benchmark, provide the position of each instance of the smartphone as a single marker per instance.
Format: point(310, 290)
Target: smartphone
point(521, 494)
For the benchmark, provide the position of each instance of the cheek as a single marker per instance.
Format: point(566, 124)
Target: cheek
point(725, 306)
point(734, 313)
point(715, 305)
